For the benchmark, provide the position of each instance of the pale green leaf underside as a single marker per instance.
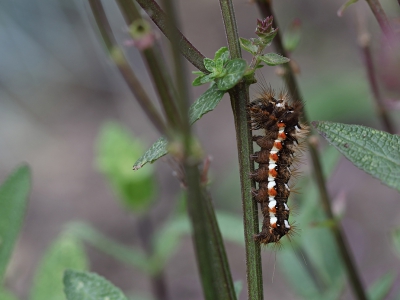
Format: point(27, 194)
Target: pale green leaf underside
point(89, 286)
point(207, 102)
point(376, 152)
point(273, 59)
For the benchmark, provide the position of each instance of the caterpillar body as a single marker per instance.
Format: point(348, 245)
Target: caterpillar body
point(280, 121)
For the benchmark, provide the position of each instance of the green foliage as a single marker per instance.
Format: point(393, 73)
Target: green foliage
point(116, 150)
point(291, 37)
point(207, 102)
point(273, 59)
point(65, 252)
point(127, 255)
point(224, 71)
point(6, 295)
point(13, 200)
point(381, 288)
point(376, 152)
point(89, 286)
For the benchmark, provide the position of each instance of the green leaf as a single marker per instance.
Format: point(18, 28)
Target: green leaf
point(13, 200)
point(291, 37)
point(345, 6)
point(381, 288)
point(6, 295)
point(206, 103)
point(66, 252)
point(89, 286)
point(157, 150)
point(207, 78)
point(235, 69)
point(273, 59)
point(248, 46)
point(376, 152)
point(198, 80)
point(127, 255)
point(209, 64)
point(116, 150)
point(267, 39)
point(222, 54)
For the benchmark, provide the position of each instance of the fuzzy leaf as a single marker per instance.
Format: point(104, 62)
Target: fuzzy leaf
point(207, 78)
point(13, 200)
point(66, 252)
point(197, 80)
point(380, 289)
point(209, 64)
point(273, 59)
point(89, 286)
point(267, 39)
point(376, 152)
point(207, 102)
point(223, 54)
point(235, 69)
point(345, 6)
point(248, 46)
point(157, 150)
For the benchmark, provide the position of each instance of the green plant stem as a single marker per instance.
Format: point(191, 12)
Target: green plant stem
point(124, 68)
point(179, 71)
point(355, 279)
point(210, 251)
point(185, 47)
point(381, 17)
point(158, 70)
point(239, 100)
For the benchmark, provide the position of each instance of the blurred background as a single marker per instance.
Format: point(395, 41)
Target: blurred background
point(58, 87)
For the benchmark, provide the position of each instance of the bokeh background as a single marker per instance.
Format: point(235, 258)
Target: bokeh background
point(58, 87)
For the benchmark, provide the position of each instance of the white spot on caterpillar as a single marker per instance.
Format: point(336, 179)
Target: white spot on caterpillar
point(271, 166)
point(287, 224)
point(274, 148)
point(279, 105)
point(271, 184)
point(287, 187)
point(272, 204)
point(297, 128)
point(286, 207)
point(273, 220)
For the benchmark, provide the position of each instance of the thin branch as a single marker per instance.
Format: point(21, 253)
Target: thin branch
point(381, 17)
point(185, 47)
point(239, 100)
point(158, 69)
point(355, 279)
point(364, 43)
point(124, 68)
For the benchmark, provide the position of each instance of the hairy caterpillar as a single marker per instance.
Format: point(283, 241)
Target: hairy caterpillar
point(279, 119)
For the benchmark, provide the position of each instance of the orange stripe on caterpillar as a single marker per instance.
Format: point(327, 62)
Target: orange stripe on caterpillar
point(279, 118)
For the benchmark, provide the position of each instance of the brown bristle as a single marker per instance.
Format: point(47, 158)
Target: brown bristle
point(280, 145)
